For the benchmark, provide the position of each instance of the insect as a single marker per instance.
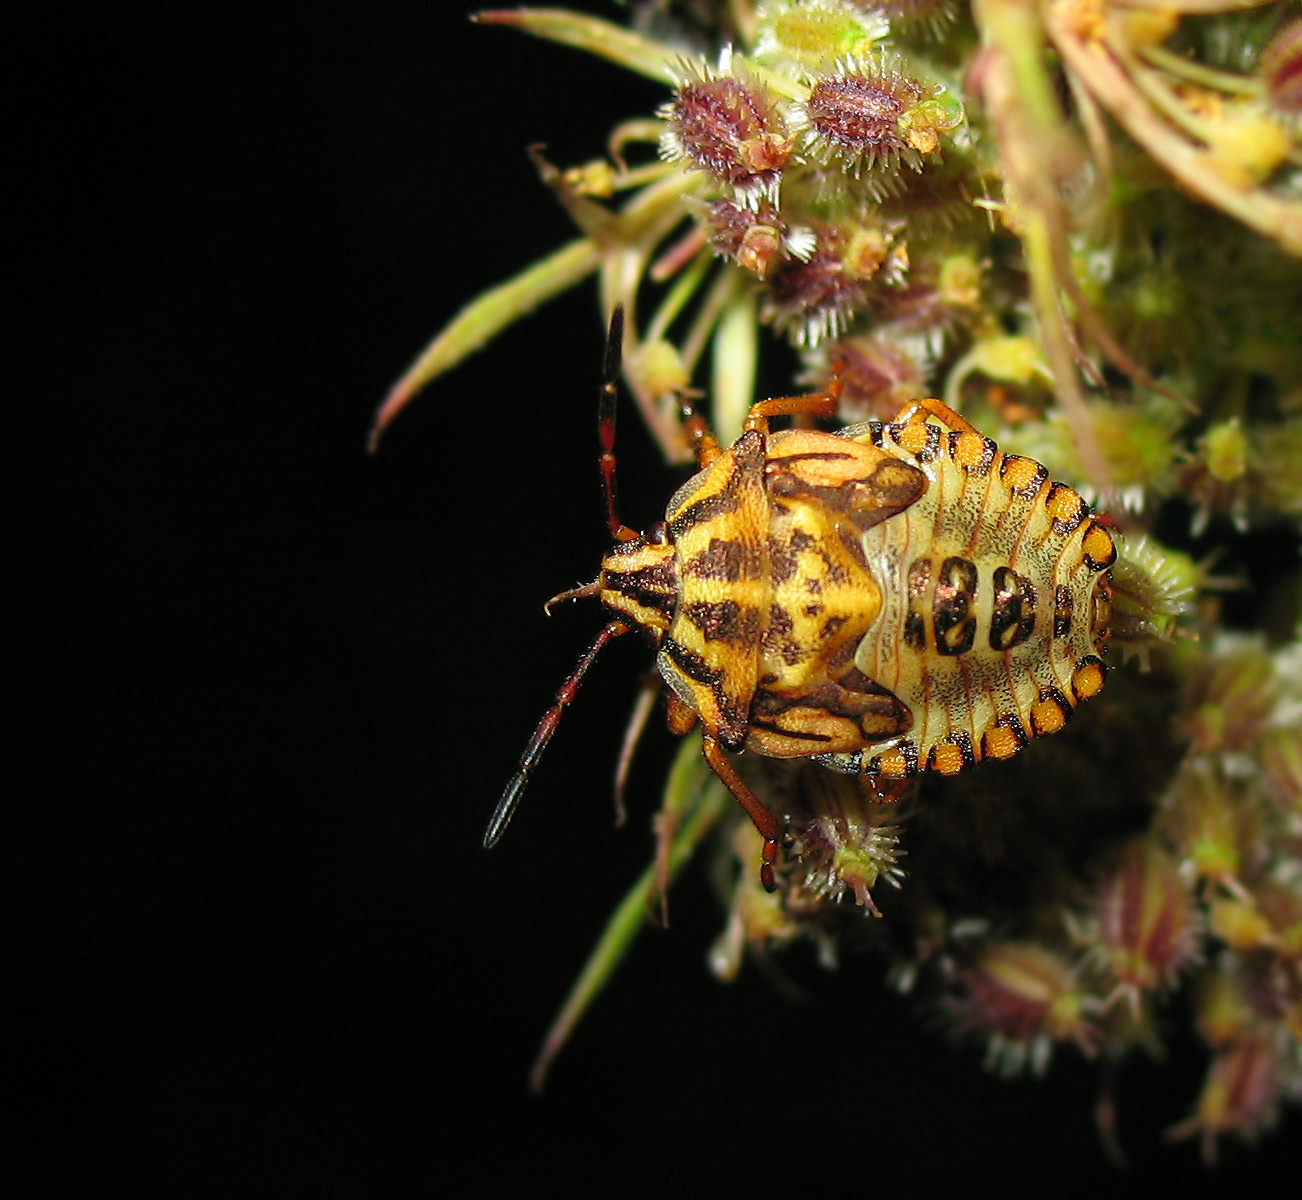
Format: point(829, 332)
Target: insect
point(890, 598)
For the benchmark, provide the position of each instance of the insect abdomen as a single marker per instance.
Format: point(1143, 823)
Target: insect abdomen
point(995, 606)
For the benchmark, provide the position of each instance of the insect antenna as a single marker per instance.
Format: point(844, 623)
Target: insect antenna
point(606, 423)
point(543, 734)
point(610, 366)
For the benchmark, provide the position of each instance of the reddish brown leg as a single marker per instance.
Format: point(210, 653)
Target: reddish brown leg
point(704, 445)
point(763, 820)
point(815, 404)
point(916, 410)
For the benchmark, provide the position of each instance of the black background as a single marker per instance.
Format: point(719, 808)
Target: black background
point(278, 684)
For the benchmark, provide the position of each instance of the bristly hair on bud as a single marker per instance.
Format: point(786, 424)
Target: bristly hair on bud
point(727, 124)
point(1147, 928)
point(754, 238)
point(878, 376)
point(817, 298)
point(1280, 70)
point(928, 18)
point(809, 33)
point(1023, 997)
point(870, 115)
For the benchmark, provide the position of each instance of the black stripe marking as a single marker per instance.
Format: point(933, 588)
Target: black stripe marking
point(726, 560)
point(724, 621)
point(1063, 608)
point(952, 624)
point(1013, 620)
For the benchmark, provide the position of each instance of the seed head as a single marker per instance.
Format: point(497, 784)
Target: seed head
point(728, 126)
point(1147, 931)
point(870, 115)
point(845, 842)
point(1024, 996)
point(817, 298)
point(816, 31)
point(1240, 1096)
point(754, 238)
point(1232, 696)
point(928, 18)
point(1280, 69)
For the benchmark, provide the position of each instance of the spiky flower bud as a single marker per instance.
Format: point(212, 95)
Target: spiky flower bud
point(816, 298)
point(844, 842)
point(1152, 588)
point(1232, 697)
point(728, 125)
point(809, 32)
point(930, 18)
point(1205, 816)
point(1239, 1096)
point(870, 115)
point(878, 376)
point(754, 238)
point(1024, 996)
point(1146, 924)
point(1280, 69)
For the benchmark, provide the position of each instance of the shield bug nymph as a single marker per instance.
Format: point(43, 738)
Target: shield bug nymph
point(889, 598)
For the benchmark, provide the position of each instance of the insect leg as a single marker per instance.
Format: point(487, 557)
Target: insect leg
point(917, 410)
point(816, 404)
point(764, 820)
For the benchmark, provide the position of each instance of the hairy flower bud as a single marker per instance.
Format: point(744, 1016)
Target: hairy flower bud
point(809, 32)
point(1239, 1096)
point(728, 126)
point(753, 238)
point(1146, 924)
point(817, 298)
point(869, 115)
point(1025, 996)
point(1280, 69)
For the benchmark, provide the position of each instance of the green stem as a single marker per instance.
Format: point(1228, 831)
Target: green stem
point(687, 779)
point(1200, 73)
point(484, 318)
point(613, 42)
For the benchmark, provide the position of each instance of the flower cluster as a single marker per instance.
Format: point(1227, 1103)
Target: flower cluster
point(897, 187)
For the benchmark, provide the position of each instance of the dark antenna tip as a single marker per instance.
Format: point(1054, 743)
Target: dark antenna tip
point(505, 810)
